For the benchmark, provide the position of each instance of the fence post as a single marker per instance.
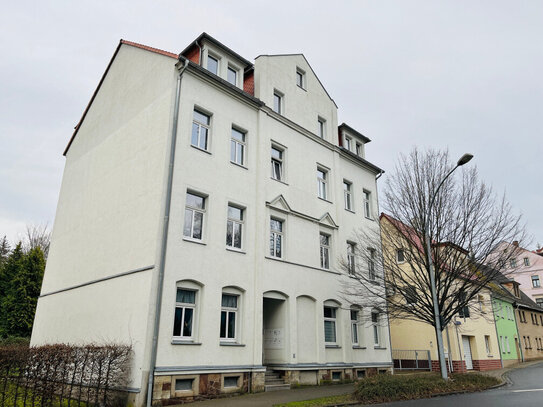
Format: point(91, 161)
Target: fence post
point(429, 360)
point(416, 359)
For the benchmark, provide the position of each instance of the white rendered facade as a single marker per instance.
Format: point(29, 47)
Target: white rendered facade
point(103, 270)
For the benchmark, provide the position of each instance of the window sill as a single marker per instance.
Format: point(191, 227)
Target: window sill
point(230, 249)
point(188, 239)
point(379, 347)
point(232, 344)
point(200, 149)
point(184, 342)
point(369, 218)
point(332, 346)
point(359, 347)
point(239, 165)
point(350, 210)
point(325, 200)
point(280, 181)
point(302, 88)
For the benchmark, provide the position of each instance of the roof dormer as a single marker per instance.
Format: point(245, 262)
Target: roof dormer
point(352, 140)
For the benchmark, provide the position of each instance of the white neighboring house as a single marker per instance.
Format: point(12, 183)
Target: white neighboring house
point(237, 242)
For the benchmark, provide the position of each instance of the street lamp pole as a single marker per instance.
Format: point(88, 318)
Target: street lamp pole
point(437, 315)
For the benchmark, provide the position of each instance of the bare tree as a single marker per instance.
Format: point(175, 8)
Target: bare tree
point(37, 236)
point(467, 222)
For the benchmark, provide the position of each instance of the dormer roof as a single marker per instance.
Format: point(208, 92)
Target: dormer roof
point(343, 127)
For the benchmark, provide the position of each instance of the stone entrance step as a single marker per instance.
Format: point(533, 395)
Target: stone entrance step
point(274, 382)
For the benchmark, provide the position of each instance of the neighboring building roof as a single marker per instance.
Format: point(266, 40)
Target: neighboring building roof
point(207, 37)
point(147, 48)
point(344, 126)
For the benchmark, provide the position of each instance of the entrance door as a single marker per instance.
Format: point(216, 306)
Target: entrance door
point(467, 352)
point(275, 341)
point(519, 358)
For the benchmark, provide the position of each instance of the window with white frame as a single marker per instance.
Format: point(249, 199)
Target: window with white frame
point(330, 324)
point(359, 149)
point(321, 130)
point(513, 263)
point(237, 147)
point(487, 344)
point(322, 182)
point(277, 102)
point(277, 155)
point(375, 328)
point(325, 250)
point(354, 327)
point(232, 76)
point(348, 143)
point(200, 130)
point(507, 346)
point(234, 227)
point(276, 238)
point(371, 264)
point(229, 312)
point(539, 301)
point(351, 262)
point(212, 64)
point(300, 78)
point(348, 195)
point(367, 203)
point(535, 282)
point(526, 261)
point(185, 309)
point(194, 216)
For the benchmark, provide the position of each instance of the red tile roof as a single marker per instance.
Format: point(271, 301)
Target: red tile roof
point(147, 48)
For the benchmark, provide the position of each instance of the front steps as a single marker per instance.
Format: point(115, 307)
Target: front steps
point(274, 382)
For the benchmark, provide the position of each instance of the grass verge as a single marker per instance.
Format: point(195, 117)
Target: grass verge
point(384, 388)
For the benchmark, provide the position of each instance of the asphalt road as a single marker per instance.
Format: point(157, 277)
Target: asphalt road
point(525, 389)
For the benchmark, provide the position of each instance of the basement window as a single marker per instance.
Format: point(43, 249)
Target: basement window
point(231, 381)
point(336, 376)
point(184, 384)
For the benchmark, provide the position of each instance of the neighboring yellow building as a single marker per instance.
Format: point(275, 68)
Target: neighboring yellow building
point(470, 340)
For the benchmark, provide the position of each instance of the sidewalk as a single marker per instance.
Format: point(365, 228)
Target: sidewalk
point(499, 373)
point(268, 399)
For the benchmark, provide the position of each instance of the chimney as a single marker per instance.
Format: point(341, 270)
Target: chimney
point(515, 243)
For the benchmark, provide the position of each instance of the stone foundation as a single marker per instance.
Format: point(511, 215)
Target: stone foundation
point(479, 365)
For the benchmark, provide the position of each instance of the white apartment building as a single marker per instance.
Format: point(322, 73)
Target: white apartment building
point(205, 207)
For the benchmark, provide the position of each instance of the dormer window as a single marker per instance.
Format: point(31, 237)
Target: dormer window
point(232, 76)
point(213, 64)
point(348, 143)
point(300, 78)
point(321, 131)
point(359, 149)
point(277, 102)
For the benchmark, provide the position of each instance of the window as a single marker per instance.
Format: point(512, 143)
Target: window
point(277, 163)
point(507, 347)
point(325, 250)
point(359, 149)
point(277, 102)
point(525, 342)
point(321, 182)
point(464, 310)
point(185, 304)
point(535, 282)
point(212, 64)
point(481, 301)
point(529, 342)
point(526, 261)
point(234, 227)
point(200, 130)
point(237, 147)
point(513, 263)
point(321, 127)
point(232, 76)
point(229, 310)
point(276, 238)
point(539, 301)
point(375, 327)
point(330, 325)
point(487, 344)
point(232, 381)
point(354, 327)
point(400, 255)
point(184, 384)
point(351, 264)
point(367, 204)
point(347, 193)
point(194, 216)
point(300, 78)
point(411, 294)
point(348, 143)
point(371, 264)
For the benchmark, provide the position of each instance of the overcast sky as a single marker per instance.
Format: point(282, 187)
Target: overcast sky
point(463, 75)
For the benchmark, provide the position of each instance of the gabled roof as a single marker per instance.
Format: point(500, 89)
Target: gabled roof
point(308, 64)
point(344, 126)
point(121, 42)
point(205, 36)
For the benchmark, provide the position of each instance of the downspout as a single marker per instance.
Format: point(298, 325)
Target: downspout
point(200, 55)
point(449, 350)
point(518, 334)
point(456, 323)
point(496, 327)
point(164, 240)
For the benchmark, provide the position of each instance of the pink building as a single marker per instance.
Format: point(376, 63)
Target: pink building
point(526, 268)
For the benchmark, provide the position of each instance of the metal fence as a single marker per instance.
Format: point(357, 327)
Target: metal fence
point(411, 359)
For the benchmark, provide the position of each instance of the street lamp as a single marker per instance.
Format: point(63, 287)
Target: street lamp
point(437, 317)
